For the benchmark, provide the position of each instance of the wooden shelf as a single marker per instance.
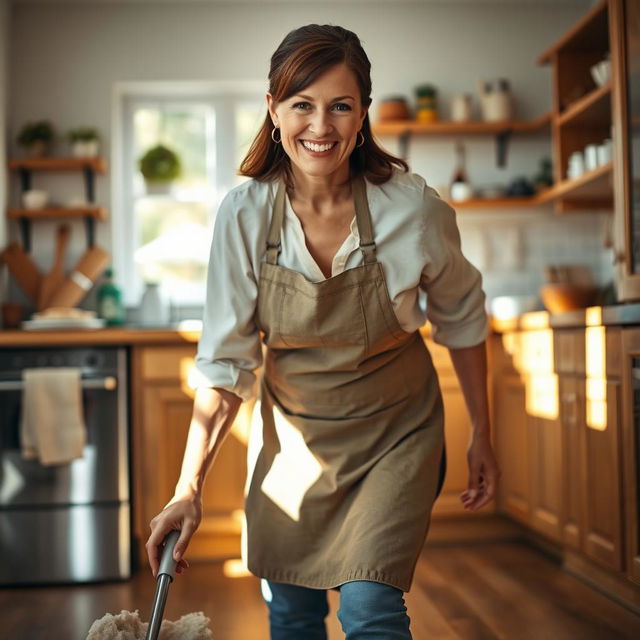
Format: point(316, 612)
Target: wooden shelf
point(500, 203)
point(594, 109)
point(592, 190)
point(582, 36)
point(53, 213)
point(400, 127)
point(98, 164)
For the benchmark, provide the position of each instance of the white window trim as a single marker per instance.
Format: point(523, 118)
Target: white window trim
point(122, 92)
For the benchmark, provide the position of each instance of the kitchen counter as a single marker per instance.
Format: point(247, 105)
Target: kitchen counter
point(621, 314)
point(180, 333)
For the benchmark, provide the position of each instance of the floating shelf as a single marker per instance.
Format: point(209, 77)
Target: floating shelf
point(53, 213)
point(501, 203)
point(98, 164)
point(400, 127)
point(594, 109)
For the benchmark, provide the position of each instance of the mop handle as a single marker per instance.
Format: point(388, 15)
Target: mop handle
point(164, 578)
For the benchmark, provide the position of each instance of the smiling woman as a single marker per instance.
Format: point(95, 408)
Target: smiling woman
point(322, 256)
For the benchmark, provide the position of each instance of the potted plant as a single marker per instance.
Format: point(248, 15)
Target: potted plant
point(160, 166)
point(36, 137)
point(84, 142)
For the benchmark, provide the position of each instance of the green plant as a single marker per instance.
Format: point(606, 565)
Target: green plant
point(426, 91)
point(83, 134)
point(31, 132)
point(160, 164)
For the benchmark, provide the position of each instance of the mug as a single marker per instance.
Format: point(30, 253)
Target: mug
point(591, 157)
point(576, 165)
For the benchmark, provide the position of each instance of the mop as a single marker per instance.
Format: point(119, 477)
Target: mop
point(127, 625)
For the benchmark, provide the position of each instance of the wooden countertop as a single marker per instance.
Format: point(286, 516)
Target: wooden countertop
point(97, 337)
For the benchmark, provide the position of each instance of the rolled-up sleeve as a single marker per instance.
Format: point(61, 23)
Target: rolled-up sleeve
point(455, 298)
point(229, 350)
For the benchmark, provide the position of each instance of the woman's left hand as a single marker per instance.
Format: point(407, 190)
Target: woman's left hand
point(483, 474)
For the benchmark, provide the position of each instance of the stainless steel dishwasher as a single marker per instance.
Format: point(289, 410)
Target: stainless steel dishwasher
point(67, 523)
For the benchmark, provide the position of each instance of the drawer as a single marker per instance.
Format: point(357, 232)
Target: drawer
point(166, 363)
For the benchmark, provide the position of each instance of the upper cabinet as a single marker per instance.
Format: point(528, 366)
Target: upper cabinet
point(581, 114)
point(625, 59)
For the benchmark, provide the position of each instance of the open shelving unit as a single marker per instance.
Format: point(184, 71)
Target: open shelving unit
point(89, 167)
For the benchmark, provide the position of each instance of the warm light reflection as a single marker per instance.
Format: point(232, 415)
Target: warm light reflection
point(190, 330)
point(235, 568)
point(534, 358)
point(293, 471)
point(593, 316)
point(535, 320)
point(596, 372)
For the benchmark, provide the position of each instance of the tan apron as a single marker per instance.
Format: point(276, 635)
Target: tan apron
point(352, 453)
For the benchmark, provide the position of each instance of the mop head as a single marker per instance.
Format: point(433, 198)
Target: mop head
point(127, 625)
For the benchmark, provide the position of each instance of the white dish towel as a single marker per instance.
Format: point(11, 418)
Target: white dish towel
point(52, 427)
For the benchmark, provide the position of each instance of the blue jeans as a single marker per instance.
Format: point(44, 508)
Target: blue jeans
point(368, 610)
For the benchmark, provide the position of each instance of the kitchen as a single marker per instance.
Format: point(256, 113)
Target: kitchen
point(563, 385)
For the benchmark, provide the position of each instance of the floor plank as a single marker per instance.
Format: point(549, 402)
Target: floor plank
point(472, 591)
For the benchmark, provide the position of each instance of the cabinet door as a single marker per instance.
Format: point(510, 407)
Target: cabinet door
point(630, 446)
point(625, 62)
point(571, 417)
point(601, 489)
point(546, 475)
point(512, 447)
point(162, 408)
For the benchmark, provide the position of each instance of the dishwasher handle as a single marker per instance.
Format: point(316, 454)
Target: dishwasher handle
point(108, 382)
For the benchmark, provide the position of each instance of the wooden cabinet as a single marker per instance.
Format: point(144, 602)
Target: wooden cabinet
point(162, 407)
point(625, 62)
point(457, 437)
point(557, 407)
point(630, 362)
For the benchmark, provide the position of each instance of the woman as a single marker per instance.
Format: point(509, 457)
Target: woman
point(325, 251)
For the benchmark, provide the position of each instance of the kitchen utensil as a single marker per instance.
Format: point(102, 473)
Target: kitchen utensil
point(193, 626)
point(23, 269)
point(92, 263)
point(164, 578)
point(35, 199)
point(560, 297)
point(54, 279)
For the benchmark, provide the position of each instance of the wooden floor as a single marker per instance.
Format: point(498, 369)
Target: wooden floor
point(464, 591)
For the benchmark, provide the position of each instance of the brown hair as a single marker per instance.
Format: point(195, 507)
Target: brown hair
point(303, 55)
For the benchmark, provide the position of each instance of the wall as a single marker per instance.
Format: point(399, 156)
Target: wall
point(66, 57)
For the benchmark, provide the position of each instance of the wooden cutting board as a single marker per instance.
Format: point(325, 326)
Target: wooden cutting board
point(54, 279)
point(23, 269)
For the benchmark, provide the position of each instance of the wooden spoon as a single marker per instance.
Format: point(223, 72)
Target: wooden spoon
point(54, 279)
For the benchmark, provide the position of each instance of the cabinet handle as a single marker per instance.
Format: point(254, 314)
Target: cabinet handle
point(109, 383)
point(572, 400)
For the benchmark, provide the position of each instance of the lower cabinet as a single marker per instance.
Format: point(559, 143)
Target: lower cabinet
point(162, 406)
point(558, 437)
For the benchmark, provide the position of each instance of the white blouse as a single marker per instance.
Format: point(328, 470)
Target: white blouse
point(418, 245)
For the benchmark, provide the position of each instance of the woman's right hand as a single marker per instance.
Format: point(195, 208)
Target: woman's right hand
point(182, 514)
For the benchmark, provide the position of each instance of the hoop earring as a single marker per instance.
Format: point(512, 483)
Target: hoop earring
point(360, 134)
point(273, 138)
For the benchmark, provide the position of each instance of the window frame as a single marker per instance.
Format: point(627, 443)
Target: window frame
point(125, 97)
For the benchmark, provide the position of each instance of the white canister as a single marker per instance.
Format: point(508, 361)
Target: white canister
point(461, 108)
point(591, 157)
point(460, 191)
point(604, 152)
point(153, 310)
point(576, 165)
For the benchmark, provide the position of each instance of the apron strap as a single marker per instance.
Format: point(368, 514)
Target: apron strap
point(273, 239)
point(363, 218)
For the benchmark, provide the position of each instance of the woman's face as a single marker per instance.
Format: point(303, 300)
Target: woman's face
point(319, 126)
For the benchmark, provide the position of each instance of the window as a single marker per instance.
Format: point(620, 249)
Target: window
point(163, 234)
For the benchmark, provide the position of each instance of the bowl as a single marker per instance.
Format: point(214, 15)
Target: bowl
point(35, 199)
point(559, 297)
